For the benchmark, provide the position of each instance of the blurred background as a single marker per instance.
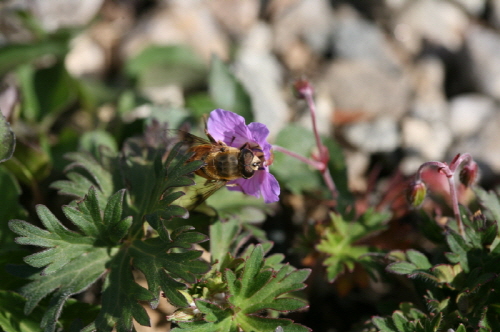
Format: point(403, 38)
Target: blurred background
point(397, 82)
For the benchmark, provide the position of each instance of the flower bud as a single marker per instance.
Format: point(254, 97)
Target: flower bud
point(468, 174)
point(302, 87)
point(416, 193)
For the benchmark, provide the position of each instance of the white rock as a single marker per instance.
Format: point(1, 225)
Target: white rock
point(237, 17)
point(469, 113)
point(429, 102)
point(360, 87)
point(380, 135)
point(437, 21)
point(359, 39)
point(55, 14)
point(86, 58)
point(325, 109)
point(185, 22)
point(484, 145)
point(428, 140)
point(484, 47)
point(357, 163)
point(473, 7)
point(262, 76)
point(301, 31)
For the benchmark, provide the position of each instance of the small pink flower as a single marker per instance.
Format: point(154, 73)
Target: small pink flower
point(231, 129)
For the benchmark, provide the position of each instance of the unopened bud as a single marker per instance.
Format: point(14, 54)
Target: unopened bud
point(416, 193)
point(468, 174)
point(302, 88)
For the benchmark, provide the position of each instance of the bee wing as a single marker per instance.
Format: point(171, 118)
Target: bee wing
point(190, 139)
point(200, 192)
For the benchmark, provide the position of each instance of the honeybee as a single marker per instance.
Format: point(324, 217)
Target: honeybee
point(222, 163)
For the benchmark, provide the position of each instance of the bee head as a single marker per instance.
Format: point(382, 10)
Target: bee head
point(248, 163)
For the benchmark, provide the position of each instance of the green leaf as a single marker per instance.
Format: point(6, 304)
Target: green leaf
point(94, 141)
point(72, 278)
point(161, 266)
point(293, 173)
point(55, 97)
point(459, 248)
point(419, 259)
point(263, 289)
point(339, 241)
point(72, 261)
point(400, 321)
point(10, 193)
point(253, 290)
point(29, 164)
point(121, 296)
point(173, 174)
point(227, 92)
point(7, 139)
point(64, 245)
point(167, 65)
point(490, 201)
point(338, 169)
point(79, 184)
point(222, 236)
point(402, 268)
point(14, 55)
point(384, 324)
point(12, 317)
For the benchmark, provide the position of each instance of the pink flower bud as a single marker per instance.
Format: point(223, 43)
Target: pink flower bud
point(302, 88)
point(416, 193)
point(468, 174)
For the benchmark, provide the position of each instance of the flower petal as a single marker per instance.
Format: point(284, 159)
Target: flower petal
point(262, 183)
point(270, 188)
point(229, 128)
point(259, 134)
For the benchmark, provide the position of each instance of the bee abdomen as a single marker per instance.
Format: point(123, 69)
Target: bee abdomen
point(226, 165)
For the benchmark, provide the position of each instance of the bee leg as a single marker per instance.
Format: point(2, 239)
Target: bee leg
point(213, 141)
point(210, 137)
point(245, 146)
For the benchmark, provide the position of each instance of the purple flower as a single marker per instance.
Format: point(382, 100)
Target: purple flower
point(231, 129)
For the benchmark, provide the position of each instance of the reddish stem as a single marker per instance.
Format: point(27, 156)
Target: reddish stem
point(306, 91)
point(449, 172)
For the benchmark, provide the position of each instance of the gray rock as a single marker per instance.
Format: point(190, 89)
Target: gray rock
point(495, 13)
point(473, 7)
point(484, 145)
point(262, 76)
point(301, 31)
point(182, 22)
point(469, 113)
point(379, 135)
point(484, 46)
point(437, 21)
point(360, 87)
point(429, 140)
point(86, 58)
point(429, 102)
point(359, 39)
point(237, 17)
point(55, 14)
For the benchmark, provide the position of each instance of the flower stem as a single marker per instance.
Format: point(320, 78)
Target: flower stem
point(305, 90)
point(316, 164)
point(449, 172)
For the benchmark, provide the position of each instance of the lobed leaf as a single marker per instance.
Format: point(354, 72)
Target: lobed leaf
point(73, 278)
point(7, 139)
point(161, 267)
point(121, 296)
